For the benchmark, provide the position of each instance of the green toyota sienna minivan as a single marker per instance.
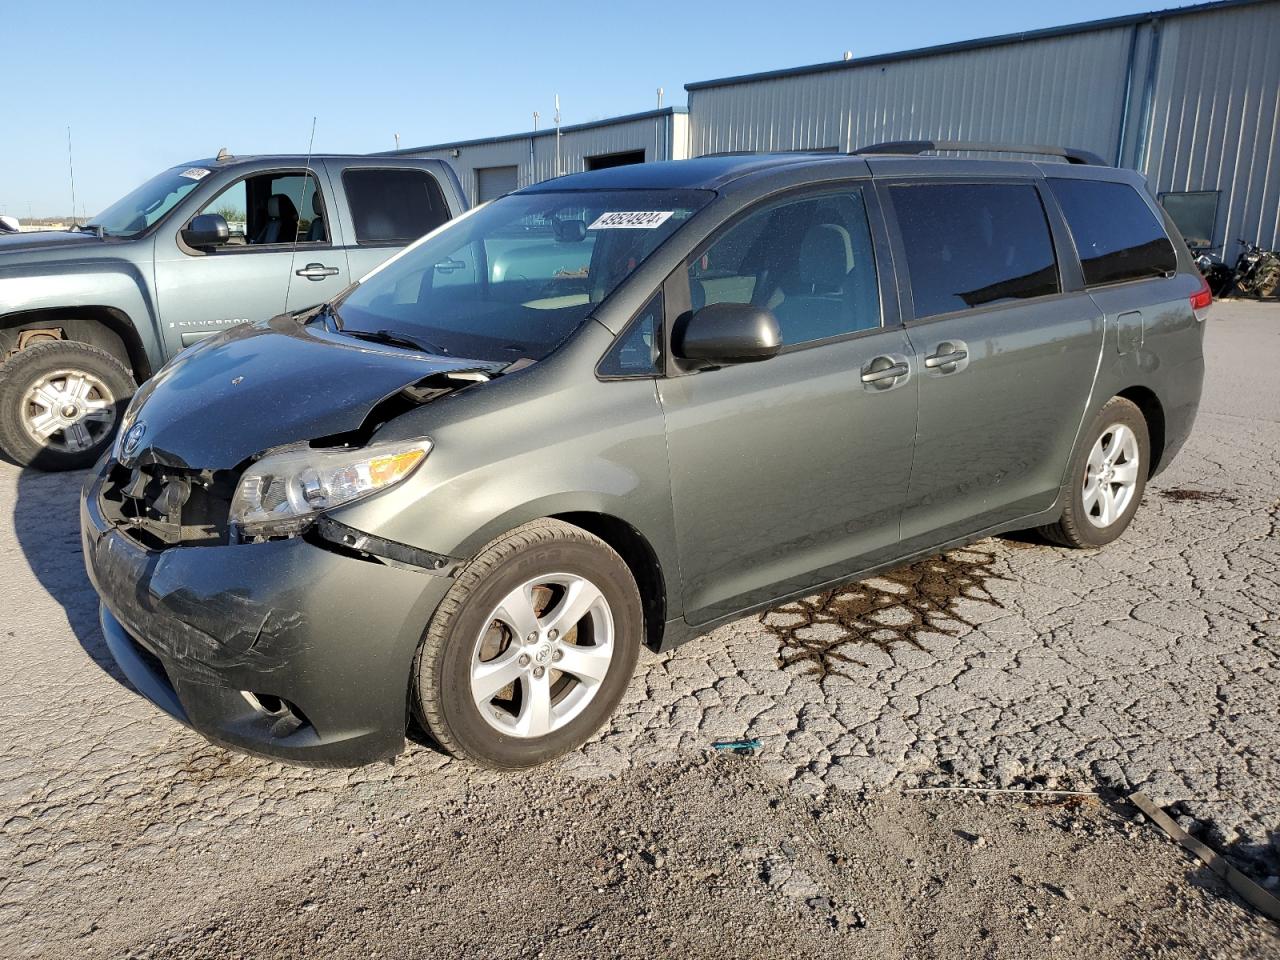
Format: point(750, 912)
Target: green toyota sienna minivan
point(621, 408)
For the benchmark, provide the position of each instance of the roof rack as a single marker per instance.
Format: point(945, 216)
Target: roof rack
point(914, 147)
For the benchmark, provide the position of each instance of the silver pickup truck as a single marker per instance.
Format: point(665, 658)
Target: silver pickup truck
point(89, 313)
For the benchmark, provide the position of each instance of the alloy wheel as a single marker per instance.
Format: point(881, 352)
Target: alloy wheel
point(68, 410)
point(542, 655)
point(1111, 475)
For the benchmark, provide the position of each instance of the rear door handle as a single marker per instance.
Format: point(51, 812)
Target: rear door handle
point(316, 271)
point(949, 357)
point(885, 371)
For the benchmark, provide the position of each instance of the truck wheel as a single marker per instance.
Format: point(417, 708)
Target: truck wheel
point(1108, 477)
point(531, 649)
point(60, 404)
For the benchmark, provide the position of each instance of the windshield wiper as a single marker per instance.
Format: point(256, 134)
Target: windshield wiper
point(393, 339)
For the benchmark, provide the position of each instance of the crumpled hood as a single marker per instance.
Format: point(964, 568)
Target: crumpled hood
point(265, 384)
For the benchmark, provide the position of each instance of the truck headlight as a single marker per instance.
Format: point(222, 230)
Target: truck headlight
point(282, 493)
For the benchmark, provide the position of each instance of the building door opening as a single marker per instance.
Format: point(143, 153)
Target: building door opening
point(493, 182)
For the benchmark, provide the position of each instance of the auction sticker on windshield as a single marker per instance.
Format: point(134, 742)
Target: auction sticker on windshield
point(194, 173)
point(631, 220)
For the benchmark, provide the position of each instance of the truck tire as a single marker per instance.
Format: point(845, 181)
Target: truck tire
point(61, 403)
point(509, 698)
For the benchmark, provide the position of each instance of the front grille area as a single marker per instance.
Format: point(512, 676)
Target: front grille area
point(161, 507)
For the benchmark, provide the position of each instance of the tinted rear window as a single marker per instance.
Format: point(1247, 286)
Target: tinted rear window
point(972, 244)
point(393, 206)
point(1117, 235)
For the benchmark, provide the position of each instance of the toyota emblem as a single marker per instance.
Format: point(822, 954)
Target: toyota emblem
point(132, 439)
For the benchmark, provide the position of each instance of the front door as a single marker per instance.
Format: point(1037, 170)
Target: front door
point(791, 472)
point(1007, 359)
point(281, 256)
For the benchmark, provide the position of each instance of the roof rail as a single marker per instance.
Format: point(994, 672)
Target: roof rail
point(913, 147)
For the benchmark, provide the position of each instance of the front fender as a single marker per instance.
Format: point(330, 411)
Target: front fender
point(112, 284)
point(542, 442)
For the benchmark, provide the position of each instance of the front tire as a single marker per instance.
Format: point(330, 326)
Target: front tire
point(531, 649)
point(1107, 479)
point(61, 403)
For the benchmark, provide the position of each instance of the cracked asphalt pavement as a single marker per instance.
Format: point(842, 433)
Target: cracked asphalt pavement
point(1151, 664)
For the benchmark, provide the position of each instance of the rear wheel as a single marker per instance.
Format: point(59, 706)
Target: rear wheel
point(531, 649)
point(60, 404)
point(1108, 477)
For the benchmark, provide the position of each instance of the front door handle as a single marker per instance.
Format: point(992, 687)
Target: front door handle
point(950, 356)
point(885, 371)
point(317, 271)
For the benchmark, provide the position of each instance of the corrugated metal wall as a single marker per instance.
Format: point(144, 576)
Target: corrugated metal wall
point(661, 135)
point(1215, 119)
point(1065, 89)
point(1202, 116)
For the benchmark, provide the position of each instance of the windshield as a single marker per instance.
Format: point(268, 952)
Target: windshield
point(151, 201)
point(515, 278)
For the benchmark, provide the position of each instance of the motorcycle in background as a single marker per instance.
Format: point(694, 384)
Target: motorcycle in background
point(1256, 272)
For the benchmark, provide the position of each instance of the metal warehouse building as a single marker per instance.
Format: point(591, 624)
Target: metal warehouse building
point(493, 166)
point(1188, 97)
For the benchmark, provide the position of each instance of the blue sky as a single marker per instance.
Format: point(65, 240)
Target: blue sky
point(145, 85)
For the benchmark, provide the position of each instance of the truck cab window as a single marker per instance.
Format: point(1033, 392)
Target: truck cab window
point(393, 206)
point(271, 209)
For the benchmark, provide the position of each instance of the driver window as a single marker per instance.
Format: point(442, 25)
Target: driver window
point(808, 260)
point(270, 209)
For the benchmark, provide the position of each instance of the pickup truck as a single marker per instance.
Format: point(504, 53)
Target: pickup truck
point(89, 313)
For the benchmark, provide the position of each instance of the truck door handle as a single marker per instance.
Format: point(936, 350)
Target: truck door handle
point(885, 371)
point(316, 271)
point(949, 353)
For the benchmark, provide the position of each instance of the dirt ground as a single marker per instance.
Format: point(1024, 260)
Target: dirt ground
point(1152, 664)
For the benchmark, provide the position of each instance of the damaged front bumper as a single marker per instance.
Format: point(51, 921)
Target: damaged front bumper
point(295, 649)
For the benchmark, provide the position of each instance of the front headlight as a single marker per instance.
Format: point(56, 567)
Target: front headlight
point(290, 486)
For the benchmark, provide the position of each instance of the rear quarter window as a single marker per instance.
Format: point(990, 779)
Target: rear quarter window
point(1117, 234)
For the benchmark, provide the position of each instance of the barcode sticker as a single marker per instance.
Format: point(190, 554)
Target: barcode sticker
point(194, 173)
point(631, 220)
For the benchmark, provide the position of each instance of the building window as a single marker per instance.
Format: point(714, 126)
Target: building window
point(607, 160)
point(1195, 212)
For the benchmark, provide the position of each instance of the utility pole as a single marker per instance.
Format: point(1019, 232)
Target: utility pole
point(558, 170)
point(659, 98)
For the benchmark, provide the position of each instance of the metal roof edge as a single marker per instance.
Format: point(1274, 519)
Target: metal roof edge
point(959, 46)
point(544, 132)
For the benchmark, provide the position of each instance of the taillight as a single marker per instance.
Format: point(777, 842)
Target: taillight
point(1202, 299)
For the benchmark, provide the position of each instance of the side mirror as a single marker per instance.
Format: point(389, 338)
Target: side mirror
point(570, 231)
point(206, 230)
point(724, 333)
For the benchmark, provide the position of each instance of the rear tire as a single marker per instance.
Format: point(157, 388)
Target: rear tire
point(1107, 478)
point(500, 623)
point(61, 403)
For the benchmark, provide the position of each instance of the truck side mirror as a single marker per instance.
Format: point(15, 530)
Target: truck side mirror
point(206, 230)
point(724, 333)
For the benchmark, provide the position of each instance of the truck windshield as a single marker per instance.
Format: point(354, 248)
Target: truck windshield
point(516, 277)
point(147, 204)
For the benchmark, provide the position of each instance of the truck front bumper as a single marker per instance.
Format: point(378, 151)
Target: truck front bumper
point(285, 649)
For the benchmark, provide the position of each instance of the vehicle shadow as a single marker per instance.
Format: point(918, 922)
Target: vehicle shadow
point(46, 522)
